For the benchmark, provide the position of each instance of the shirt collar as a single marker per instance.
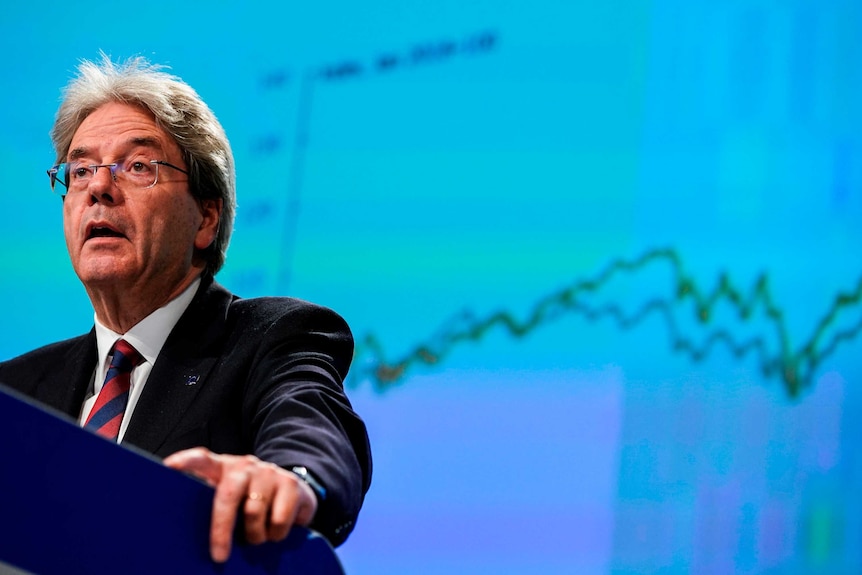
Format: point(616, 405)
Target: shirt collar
point(148, 336)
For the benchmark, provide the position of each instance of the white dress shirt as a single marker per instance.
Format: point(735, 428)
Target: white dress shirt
point(148, 337)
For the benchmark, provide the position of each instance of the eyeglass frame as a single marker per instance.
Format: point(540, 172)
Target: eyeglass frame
point(52, 174)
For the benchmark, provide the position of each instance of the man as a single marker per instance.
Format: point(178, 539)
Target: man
point(245, 394)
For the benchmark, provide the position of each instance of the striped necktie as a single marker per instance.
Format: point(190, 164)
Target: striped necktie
point(107, 413)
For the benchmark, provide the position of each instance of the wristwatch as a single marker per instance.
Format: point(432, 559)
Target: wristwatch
point(309, 479)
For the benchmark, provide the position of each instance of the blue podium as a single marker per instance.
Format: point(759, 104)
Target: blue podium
point(57, 483)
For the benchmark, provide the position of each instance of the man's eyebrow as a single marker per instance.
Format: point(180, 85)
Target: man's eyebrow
point(146, 141)
point(139, 141)
point(77, 153)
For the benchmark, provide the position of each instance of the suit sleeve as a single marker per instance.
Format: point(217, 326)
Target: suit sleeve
point(298, 414)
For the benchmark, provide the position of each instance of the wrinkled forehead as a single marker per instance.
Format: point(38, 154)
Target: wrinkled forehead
point(115, 128)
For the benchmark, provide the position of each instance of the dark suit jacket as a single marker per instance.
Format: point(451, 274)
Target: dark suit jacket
point(261, 376)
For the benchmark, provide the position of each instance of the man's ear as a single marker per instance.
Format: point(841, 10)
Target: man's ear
point(208, 230)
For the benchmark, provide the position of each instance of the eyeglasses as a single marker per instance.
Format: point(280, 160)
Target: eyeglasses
point(137, 173)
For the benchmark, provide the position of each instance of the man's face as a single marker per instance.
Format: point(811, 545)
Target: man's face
point(120, 236)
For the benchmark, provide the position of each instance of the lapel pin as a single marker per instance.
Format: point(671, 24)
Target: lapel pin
point(192, 379)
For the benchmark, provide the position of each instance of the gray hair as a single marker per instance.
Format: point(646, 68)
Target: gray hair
point(178, 110)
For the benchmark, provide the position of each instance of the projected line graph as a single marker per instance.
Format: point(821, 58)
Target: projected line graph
point(773, 349)
point(385, 63)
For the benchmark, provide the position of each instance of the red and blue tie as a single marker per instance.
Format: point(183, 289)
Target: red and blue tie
point(107, 414)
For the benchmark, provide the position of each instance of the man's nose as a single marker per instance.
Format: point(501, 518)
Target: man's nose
point(104, 172)
point(103, 185)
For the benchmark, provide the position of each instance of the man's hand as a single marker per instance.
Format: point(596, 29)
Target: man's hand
point(272, 499)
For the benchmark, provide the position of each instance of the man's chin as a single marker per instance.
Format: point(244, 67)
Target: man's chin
point(104, 272)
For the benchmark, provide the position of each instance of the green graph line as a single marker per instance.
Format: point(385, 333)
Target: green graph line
point(795, 367)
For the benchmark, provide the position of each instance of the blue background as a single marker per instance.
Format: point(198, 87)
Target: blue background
point(601, 259)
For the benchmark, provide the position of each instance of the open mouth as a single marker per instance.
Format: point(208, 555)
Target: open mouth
point(103, 232)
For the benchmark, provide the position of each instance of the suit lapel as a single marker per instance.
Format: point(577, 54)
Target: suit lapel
point(181, 369)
